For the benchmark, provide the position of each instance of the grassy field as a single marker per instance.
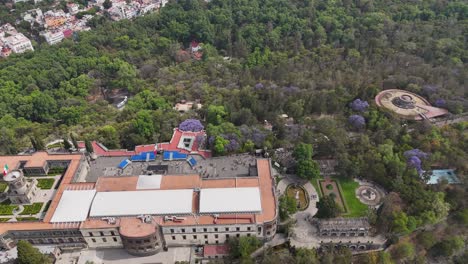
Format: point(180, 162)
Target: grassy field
point(348, 190)
point(4, 220)
point(3, 186)
point(32, 209)
point(45, 184)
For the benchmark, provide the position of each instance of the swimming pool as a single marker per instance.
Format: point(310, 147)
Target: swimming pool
point(438, 175)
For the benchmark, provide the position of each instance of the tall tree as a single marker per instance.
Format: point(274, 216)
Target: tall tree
point(27, 254)
point(327, 207)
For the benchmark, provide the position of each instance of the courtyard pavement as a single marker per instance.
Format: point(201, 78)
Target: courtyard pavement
point(119, 256)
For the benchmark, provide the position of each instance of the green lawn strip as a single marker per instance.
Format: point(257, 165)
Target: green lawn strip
point(22, 219)
point(45, 184)
point(4, 220)
point(354, 207)
point(315, 183)
point(32, 209)
point(7, 209)
point(3, 186)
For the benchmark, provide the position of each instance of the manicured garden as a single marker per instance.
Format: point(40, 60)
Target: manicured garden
point(355, 207)
point(345, 195)
point(45, 184)
point(32, 209)
point(7, 209)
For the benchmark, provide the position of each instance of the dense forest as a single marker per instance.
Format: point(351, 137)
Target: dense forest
point(261, 59)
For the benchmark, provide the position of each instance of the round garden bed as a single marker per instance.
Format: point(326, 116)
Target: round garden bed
point(300, 194)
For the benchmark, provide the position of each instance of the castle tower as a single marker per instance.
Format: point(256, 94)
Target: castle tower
point(20, 191)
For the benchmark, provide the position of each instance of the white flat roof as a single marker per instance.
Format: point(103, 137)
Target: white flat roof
point(230, 200)
point(149, 182)
point(73, 206)
point(158, 202)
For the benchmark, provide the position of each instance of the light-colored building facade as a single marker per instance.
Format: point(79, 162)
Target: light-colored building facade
point(53, 37)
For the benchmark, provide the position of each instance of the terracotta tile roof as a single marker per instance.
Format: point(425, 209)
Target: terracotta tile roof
point(267, 190)
point(99, 223)
point(180, 181)
point(112, 184)
point(134, 227)
point(145, 148)
point(100, 151)
point(174, 143)
point(215, 250)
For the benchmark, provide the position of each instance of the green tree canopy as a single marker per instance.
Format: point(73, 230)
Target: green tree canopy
point(287, 206)
point(327, 207)
point(27, 254)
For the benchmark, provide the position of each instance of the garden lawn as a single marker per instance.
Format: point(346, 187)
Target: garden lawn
point(32, 209)
point(348, 190)
point(45, 184)
point(6, 209)
point(3, 186)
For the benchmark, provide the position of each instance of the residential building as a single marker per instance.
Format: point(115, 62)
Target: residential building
point(53, 37)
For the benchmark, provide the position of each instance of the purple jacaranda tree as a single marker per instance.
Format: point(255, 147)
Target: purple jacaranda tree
point(440, 102)
point(415, 162)
point(429, 89)
point(258, 137)
point(359, 105)
point(415, 153)
point(200, 139)
point(291, 89)
point(259, 86)
point(232, 146)
point(211, 141)
point(193, 125)
point(357, 121)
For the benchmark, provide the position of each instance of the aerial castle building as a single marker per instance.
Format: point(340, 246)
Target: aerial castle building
point(143, 214)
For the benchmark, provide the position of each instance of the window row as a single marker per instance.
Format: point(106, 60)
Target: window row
point(101, 233)
point(216, 236)
point(104, 239)
point(227, 229)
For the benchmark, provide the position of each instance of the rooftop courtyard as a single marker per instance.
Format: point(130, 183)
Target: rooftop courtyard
point(242, 165)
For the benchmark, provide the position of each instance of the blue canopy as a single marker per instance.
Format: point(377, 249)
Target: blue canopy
point(124, 164)
point(192, 161)
point(174, 155)
point(144, 156)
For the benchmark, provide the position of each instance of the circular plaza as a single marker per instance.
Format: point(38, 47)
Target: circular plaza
point(407, 105)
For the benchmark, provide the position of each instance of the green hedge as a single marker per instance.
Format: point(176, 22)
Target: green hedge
point(22, 219)
point(7, 209)
point(32, 209)
point(45, 184)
